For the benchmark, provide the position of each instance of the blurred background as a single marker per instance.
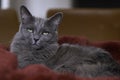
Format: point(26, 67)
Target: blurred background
point(39, 8)
point(98, 20)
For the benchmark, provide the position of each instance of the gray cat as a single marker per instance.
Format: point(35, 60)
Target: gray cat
point(36, 43)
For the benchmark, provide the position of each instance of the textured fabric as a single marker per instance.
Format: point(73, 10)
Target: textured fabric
point(9, 70)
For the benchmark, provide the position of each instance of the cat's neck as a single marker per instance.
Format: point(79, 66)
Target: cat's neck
point(43, 55)
point(52, 48)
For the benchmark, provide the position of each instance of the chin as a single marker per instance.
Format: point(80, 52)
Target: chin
point(37, 47)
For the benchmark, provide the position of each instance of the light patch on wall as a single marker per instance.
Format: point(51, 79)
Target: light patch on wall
point(5, 4)
point(39, 8)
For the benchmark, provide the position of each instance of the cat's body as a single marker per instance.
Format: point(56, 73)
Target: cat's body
point(36, 43)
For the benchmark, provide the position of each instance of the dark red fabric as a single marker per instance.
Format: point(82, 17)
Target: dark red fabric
point(111, 46)
point(9, 70)
point(8, 63)
point(73, 40)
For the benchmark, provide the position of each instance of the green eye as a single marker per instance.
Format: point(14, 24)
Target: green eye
point(30, 30)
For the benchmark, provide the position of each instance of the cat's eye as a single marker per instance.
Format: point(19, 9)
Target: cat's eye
point(45, 33)
point(30, 30)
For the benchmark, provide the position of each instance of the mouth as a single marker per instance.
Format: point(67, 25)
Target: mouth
point(40, 48)
point(37, 47)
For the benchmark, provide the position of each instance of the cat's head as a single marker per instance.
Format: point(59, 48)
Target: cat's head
point(39, 32)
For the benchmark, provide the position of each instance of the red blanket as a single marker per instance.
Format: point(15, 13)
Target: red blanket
point(9, 70)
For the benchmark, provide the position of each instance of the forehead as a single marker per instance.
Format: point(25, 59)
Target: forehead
point(39, 22)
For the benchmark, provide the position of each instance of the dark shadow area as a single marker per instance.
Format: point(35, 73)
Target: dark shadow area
point(96, 3)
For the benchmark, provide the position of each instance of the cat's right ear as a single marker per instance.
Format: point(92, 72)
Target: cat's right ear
point(56, 18)
point(25, 15)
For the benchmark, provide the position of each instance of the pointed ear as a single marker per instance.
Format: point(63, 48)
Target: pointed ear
point(56, 18)
point(25, 14)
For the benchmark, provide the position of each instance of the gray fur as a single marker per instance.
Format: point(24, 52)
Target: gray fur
point(36, 43)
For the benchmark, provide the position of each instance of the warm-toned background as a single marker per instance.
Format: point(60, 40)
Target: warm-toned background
point(8, 25)
point(95, 24)
point(97, 20)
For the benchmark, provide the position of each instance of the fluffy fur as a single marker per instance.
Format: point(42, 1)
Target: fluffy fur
point(36, 43)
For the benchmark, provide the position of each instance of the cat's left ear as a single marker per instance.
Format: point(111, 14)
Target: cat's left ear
point(56, 18)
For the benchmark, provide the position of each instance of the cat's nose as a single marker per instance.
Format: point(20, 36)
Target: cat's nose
point(35, 39)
